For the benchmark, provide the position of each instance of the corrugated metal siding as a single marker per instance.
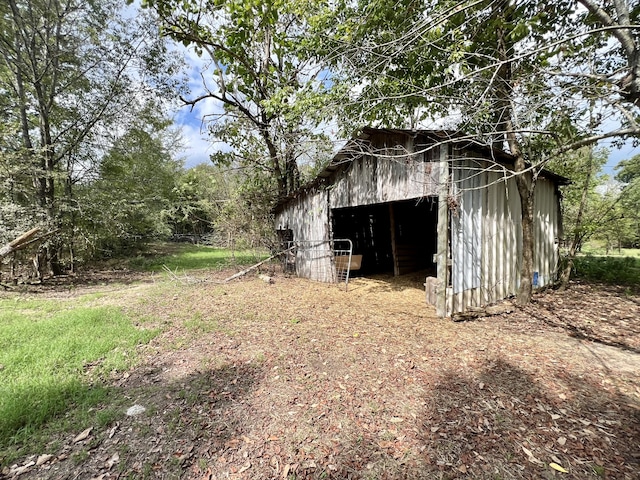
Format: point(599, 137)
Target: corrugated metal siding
point(466, 224)
point(390, 177)
point(498, 204)
point(502, 239)
point(547, 232)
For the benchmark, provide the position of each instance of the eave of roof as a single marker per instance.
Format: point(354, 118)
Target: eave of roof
point(349, 151)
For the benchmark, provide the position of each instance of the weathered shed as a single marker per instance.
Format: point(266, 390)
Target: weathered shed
point(414, 200)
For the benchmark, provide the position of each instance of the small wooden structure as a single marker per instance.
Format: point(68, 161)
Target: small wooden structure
point(427, 201)
point(352, 264)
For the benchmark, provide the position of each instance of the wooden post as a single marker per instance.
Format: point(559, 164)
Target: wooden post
point(394, 248)
point(442, 254)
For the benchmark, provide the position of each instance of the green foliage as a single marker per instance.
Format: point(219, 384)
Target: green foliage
point(584, 167)
point(268, 85)
point(629, 174)
point(71, 73)
point(231, 206)
point(613, 270)
point(47, 354)
point(629, 171)
point(530, 68)
point(199, 196)
point(133, 196)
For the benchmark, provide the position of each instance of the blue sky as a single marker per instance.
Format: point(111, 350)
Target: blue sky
point(198, 146)
point(615, 155)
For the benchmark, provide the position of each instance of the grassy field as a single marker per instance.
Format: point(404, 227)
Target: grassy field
point(55, 355)
point(600, 251)
point(180, 256)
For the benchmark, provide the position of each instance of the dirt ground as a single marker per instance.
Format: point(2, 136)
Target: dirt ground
point(300, 380)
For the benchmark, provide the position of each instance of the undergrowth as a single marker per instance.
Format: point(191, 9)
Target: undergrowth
point(612, 270)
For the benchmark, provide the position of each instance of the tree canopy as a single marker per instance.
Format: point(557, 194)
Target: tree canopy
point(256, 69)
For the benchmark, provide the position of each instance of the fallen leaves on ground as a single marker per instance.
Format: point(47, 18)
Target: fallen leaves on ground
point(295, 379)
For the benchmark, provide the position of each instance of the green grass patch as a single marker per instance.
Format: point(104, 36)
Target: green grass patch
point(607, 269)
point(53, 361)
point(178, 257)
point(596, 248)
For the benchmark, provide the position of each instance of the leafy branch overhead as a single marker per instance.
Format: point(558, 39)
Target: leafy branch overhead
point(257, 70)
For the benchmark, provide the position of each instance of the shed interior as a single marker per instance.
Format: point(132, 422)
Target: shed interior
point(393, 238)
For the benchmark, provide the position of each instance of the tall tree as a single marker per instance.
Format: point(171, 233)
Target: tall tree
point(70, 70)
point(584, 210)
point(132, 198)
point(258, 72)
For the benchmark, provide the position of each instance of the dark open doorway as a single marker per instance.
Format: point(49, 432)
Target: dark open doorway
point(394, 238)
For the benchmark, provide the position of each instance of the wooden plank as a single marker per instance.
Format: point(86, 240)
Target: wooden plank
point(442, 254)
point(343, 260)
point(431, 288)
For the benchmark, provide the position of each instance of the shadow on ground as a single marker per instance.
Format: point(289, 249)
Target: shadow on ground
point(505, 423)
point(186, 422)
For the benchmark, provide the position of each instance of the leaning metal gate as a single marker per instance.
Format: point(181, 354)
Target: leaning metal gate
point(327, 261)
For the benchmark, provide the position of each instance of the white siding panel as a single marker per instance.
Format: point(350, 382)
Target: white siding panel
point(387, 178)
point(500, 242)
point(546, 231)
point(308, 217)
point(466, 226)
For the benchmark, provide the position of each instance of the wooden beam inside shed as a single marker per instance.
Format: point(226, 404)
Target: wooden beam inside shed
point(394, 247)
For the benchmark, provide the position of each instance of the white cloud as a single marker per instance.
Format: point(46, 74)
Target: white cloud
point(192, 120)
point(197, 148)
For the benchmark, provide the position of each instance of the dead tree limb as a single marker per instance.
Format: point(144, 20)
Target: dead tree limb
point(19, 242)
point(24, 241)
point(253, 267)
point(478, 312)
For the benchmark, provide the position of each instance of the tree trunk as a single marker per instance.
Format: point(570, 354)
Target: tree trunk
point(275, 161)
point(293, 175)
point(525, 181)
point(68, 192)
point(525, 190)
